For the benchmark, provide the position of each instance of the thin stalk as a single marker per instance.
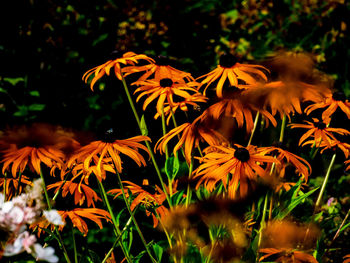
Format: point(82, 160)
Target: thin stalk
point(164, 132)
point(74, 247)
point(188, 195)
point(147, 143)
point(4, 189)
point(65, 253)
point(60, 188)
point(114, 221)
point(254, 128)
point(19, 183)
point(134, 219)
point(283, 127)
point(341, 225)
point(325, 180)
point(118, 239)
point(262, 224)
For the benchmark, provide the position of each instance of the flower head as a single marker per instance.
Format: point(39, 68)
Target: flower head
point(127, 58)
point(158, 68)
point(167, 90)
point(244, 164)
point(192, 134)
point(109, 149)
point(229, 69)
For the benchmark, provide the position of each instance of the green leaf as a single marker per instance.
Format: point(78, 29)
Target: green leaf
point(22, 111)
point(172, 166)
point(100, 39)
point(34, 93)
point(295, 202)
point(158, 250)
point(36, 107)
point(3, 90)
point(233, 14)
point(143, 125)
point(14, 81)
point(176, 198)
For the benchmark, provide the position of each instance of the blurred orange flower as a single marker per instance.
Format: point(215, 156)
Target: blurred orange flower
point(127, 58)
point(235, 72)
point(287, 255)
point(243, 163)
point(12, 185)
point(33, 145)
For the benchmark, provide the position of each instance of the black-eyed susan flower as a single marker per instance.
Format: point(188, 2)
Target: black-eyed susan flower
point(332, 102)
point(343, 146)
point(128, 58)
point(193, 101)
point(236, 73)
point(302, 167)
point(164, 91)
point(96, 152)
point(158, 68)
point(287, 255)
point(243, 164)
point(192, 134)
point(151, 198)
point(319, 131)
point(80, 191)
point(31, 146)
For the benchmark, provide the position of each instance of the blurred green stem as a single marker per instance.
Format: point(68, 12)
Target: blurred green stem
point(254, 128)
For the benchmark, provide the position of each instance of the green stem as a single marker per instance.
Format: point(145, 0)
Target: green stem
point(19, 183)
point(117, 240)
point(74, 247)
point(254, 128)
point(134, 219)
point(262, 224)
point(65, 253)
point(318, 202)
point(164, 132)
point(283, 127)
point(147, 143)
point(60, 188)
point(188, 195)
point(114, 221)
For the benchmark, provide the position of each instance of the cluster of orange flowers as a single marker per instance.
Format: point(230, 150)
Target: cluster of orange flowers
point(242, 92)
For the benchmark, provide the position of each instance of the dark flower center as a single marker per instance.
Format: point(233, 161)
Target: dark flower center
point(115, 55)
point(339, 96)
point(109, 136)
point(320, 125)
point(165, 82)
point(162, 61)
point(227, 61)
point(242, 154)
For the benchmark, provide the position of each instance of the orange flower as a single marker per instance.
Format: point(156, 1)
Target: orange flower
point(127, 58)
point(284, 96)
point(95, 152)
point(182, 105)
point(192, 134)
point(243, 163)
point(81, 192)
point(287, 255)
point(332, 103)
point(164, 89)
point(348, 164)
point(159, 68)
point(12, 185)
point(94, 214)
point(39, 143)
point(303, 168)
point(346, 259)
point(240, 112)
point(230, 69)
point(345, 147)
point(319, 131)
point(144, 196)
